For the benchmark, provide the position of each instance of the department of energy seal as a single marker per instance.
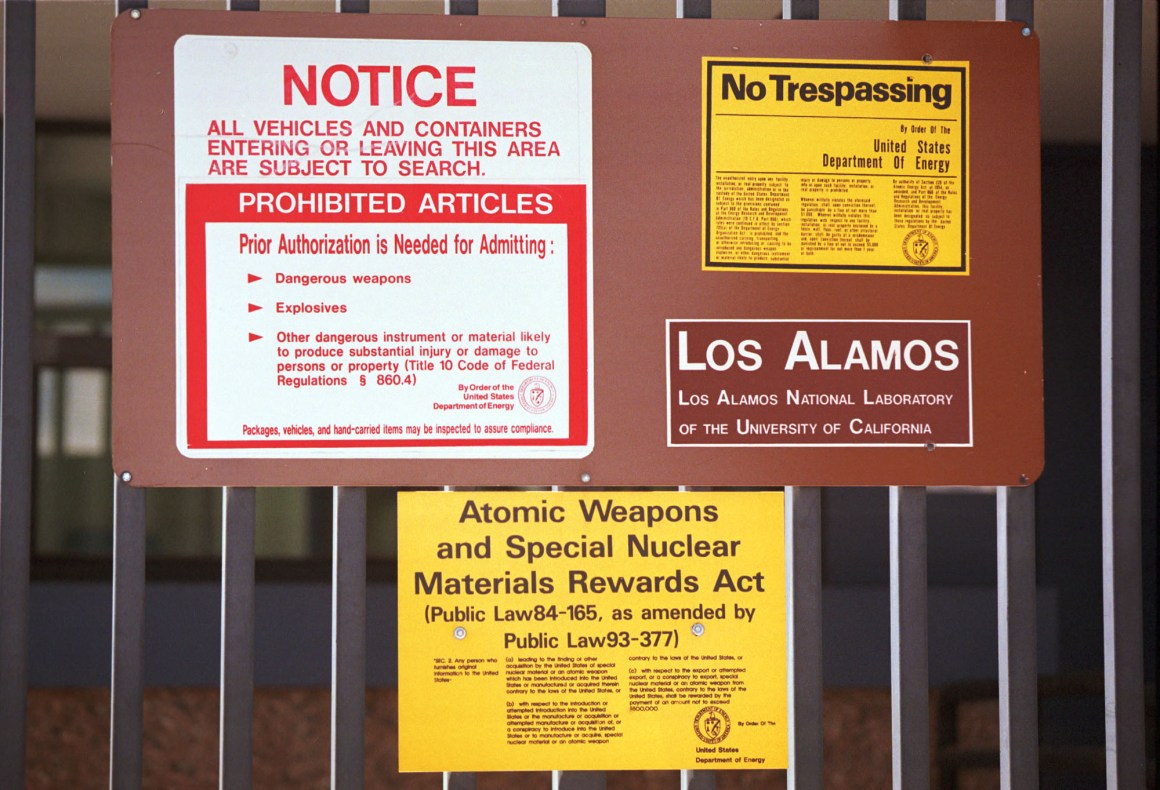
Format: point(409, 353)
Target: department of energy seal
point(920, 247)
point(711, 724)
point(537, 394)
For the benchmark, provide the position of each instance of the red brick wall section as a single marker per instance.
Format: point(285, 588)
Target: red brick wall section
point(68, 733)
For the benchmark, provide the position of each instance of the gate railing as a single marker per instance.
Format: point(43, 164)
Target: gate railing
point(908, 574)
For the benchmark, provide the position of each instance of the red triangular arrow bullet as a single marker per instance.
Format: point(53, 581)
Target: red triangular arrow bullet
point(254, 337)
point(254, 307)
point(252, 278)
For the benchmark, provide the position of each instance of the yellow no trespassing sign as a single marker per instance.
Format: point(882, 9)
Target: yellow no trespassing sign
point(591, 630)
point(835, 166)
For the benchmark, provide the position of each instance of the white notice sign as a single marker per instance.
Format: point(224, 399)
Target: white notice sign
point(383, 248)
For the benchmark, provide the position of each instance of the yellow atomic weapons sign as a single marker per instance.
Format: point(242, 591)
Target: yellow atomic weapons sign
point(593, 630)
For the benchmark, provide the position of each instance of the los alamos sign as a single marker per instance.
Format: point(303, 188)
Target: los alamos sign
point(378, 250)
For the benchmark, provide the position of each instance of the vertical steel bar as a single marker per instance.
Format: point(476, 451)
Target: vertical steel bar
point(907, 9)
point(695, 9)
point(16, 446)
point(458, 780)
point(1015, 11)
point(1018, 660)
point(235, 733)
point(1018, 674)
point(455, 780)
point(909, 693)
point(579, 780)
point(694, 779)
point(348, 612)
point(800, 9)
point(698, 780)
point(803, 543)
point(1120, 395)
point(127, 685)
point(803, 507)
point(348, 639)
point(590, 8)
point(128, 676)
point(236, 703)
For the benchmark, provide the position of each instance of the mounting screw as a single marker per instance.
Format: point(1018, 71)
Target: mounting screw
point(927, 58)
point(126, 477)
point(135, 13)
point(460, 633)
point(1026, 32)
point(698, 629)
point(1023, 479)
point(585, 477)
point(930, 447)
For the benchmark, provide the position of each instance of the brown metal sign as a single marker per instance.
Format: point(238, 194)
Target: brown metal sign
point(470, 251)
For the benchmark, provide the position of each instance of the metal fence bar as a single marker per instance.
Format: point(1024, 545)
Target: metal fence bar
point(127, 684)
point(128, 675)
point(236, 723)
point(593, 8)
point(692, 779)
point(909, 702)
point(803, 541)
point(348, 639)
point(236, 703)
point(1018, 674)
point(579, 780)
point(16, 380)
point(908, 9)
point(1015, 10)
point(803, 534)
point(695, 9)
point(348, 611)
point(909, 671)
point(1120, 396)
point(698, 780)
point(800, 9)
point(1018, 643)
point(458, 780)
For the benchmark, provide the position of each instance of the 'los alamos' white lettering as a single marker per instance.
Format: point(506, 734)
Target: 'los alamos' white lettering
point(893, 355)
point(726, 398)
